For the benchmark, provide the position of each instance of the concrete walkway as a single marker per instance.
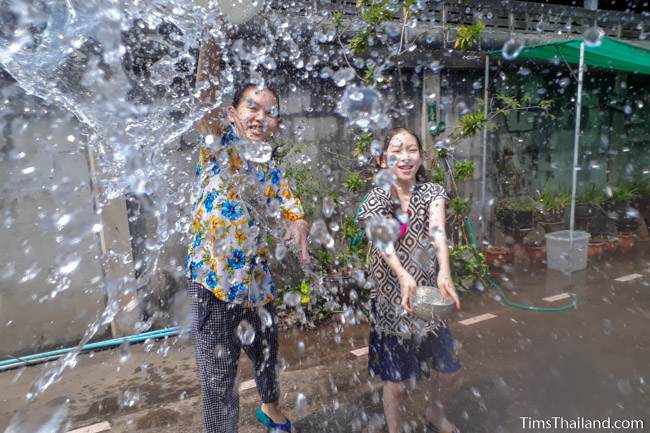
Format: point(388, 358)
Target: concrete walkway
point(592, 362)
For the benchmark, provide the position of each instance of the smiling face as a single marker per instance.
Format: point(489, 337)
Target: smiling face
point(256, 114)
point(403, 156)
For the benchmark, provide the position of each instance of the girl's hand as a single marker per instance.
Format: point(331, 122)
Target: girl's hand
point(298, 231)
point(447, 289)
point(407, 285)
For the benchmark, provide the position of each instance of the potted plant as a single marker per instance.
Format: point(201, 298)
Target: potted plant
point(551, 208)
point(627, 241)
point(620, 207)
point(497, 257)
point(468, 265)
point(642, 202)
point(534, 243)
point(515, 213)
point(589, 204)
point(597, 246)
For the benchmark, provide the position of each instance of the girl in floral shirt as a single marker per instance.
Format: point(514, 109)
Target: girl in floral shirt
point(227, 268)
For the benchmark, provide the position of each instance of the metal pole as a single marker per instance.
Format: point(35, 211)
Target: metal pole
point(576, 141)
point(484, 159)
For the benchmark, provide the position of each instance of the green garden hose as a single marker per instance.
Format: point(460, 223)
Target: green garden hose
point(486, 279)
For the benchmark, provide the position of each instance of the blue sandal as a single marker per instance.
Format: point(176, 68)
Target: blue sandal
point(267, 422)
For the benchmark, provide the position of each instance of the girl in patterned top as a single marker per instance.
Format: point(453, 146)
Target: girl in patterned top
point(402, 347)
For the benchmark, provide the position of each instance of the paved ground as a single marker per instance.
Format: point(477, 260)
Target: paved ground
point(591, 362)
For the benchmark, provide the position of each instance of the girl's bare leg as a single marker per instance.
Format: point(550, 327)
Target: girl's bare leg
point(393, 393)
point(443, 389)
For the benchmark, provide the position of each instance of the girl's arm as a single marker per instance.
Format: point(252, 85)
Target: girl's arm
point(439, 236)
point(406, 281)
point(207, 86)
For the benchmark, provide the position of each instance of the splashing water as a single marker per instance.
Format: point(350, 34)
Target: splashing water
point(362, 106)
point(245, 333)
point(512, 48)
point(593, 36)
point(382, 232)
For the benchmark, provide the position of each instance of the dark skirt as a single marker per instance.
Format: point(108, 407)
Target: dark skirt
point(397, 359)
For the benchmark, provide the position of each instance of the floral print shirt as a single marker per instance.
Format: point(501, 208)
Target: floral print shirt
point(232, 197)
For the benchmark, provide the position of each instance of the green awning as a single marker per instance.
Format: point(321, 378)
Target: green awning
point(610, 54)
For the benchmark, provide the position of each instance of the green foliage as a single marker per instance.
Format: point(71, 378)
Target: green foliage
point(595, 196)
point(438, 175)
point(458, 207)
point(361, 41)
point(362, 144)
point(353, 183)
point(517, 203)
point(303, 289)
point(464, 169)
point(470, 124)
point(469, 36)
point(324, 260)
point(551, 201)
point(467, 265)
point(625, 192)
point(369, 76)
point(338, 21)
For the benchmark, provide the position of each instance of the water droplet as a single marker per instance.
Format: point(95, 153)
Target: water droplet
point(265, 317)
point(125, 352)
point(564, 82)
point(130, 398)
point(512, 48)
point(70, 266)
point(300, 408)
point(280, 251)
point(384, 179)
point(255, 151)
point(435, 66)
point(382, 232)
point(28, 170)
point(593, 36)
point(245, 333)
point(343, 76)
point(320, 235)
point(328, 207)
point(361, 106)
point(47, 419)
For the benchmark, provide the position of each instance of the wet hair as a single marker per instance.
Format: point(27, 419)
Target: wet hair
point(241, 91)
point(421, 175)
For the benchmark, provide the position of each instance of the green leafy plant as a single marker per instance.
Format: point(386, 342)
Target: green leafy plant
point(595, 196)
point(464, 169)
point(470, 124)
point(369, 76)
point(469, 36)
point(468, 266)
point(438, 175)
point(458, 207)
point(353, 183)
point(522, 203)
point(625, 192)
point(551, 201)
point(362, 144)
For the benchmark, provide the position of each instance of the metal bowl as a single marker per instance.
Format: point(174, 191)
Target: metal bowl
point(429, 304)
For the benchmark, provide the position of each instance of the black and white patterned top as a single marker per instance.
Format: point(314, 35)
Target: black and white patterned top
point(414, 253)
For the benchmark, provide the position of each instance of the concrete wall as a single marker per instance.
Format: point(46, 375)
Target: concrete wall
point(44, 176)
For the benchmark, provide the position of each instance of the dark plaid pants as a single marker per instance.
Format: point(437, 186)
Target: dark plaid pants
point(217, 347)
